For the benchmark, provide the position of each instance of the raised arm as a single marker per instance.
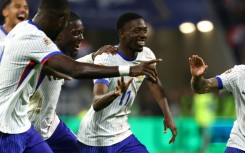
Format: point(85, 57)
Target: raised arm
point(103, 98)
point(159, 95)
point(68, 66)
point(198, 83)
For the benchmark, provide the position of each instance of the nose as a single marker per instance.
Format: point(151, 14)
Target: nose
point(143, 34)
point(80, 37)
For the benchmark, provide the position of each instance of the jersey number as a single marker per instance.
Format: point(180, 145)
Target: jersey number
point(128, 93)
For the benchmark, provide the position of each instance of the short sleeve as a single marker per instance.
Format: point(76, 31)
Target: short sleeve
point(103, 59)
point(41, 47)
point(227, 79)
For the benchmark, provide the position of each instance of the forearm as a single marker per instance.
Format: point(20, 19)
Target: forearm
point(68, 66)
point(160, 96)
point(102, 101)
point(201, 85)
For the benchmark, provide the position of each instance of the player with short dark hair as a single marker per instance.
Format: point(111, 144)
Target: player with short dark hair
point(231, 81)
point(29, 47)
point(12, 12)
point(105, 128)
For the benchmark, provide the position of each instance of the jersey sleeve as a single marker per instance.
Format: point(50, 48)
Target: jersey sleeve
point(41, 48)
point(103, 59)
point(228, 78)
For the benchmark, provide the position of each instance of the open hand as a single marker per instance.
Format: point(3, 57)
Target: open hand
point(109, 49)
point(168, 123)
point(122, 86)
point(197, 66)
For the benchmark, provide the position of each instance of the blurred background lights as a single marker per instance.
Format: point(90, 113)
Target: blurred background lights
point(205, 26)
point(187, 27)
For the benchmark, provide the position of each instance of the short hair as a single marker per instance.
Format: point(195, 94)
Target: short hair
point(4, 3)
point(125, 18)
point(73, 17)
point(54, 5)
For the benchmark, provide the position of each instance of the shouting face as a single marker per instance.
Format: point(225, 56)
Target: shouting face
point(15, 12)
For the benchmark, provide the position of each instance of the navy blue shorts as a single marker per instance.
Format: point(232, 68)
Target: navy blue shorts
point(129, 145)
point(63, 140)
point(233, 150)
point(27, 142)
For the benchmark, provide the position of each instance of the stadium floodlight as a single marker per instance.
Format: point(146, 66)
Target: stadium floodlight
point(205, 26)
point(187, 27)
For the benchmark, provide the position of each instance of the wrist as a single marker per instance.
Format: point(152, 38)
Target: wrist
point(116, 93)
point(124, 70)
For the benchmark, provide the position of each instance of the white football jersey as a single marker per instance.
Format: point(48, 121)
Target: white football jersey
point(233, 81)
point(44, 101)
point(3, 34)
point(27, 48)
point(110, 125)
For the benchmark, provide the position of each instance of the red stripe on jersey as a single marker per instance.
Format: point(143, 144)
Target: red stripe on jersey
point(27, 70)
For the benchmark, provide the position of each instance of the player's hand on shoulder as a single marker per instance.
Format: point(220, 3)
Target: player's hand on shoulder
point(109, 49)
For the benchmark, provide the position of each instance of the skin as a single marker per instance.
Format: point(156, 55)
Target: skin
point(198, 83)
point(132, 39)
point(52, 24)
point(71, 37)
point(14, 13)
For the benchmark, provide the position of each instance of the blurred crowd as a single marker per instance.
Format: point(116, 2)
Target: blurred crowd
point(231, 13)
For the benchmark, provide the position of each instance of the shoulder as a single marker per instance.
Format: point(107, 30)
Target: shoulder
point(147, 54)
point(104, 59)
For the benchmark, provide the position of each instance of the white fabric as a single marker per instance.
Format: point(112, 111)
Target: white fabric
point(26, 49)
point(44, 102)
point(110, 125)
point(3, 35)
point(233, 81)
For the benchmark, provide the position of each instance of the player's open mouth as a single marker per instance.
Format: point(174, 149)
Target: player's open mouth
point(141, 42)
point(21, 17)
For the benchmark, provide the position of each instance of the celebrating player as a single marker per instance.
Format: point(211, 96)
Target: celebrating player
point(13, 12)
point(232, 81)
point(27, 48)
point(104, 128)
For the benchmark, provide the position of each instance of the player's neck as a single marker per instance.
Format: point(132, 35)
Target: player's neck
point(127, 52)
point(7, 27)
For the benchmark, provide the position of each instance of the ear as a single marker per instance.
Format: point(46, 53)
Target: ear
point(121, 33)
point(5, 12)
point(62, 21)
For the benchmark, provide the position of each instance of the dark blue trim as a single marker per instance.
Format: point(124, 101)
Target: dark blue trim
point(1, 56)
point(4, 31)
point(40, 79)
point(30, 22)
point(124, 57)
point(50, 55)
point(102, 81)
point(220, 83)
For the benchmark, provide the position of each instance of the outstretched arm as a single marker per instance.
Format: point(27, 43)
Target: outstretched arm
point(159, 95)
point(198, 83)
point(68, 66)
point(103, 98)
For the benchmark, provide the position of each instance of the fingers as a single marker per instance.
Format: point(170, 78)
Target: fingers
point(129, 82)
point(154, 61)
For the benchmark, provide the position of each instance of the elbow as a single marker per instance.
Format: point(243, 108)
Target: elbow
point(197, 90)
point(96, 108)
